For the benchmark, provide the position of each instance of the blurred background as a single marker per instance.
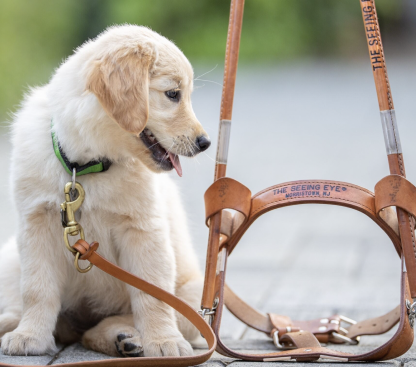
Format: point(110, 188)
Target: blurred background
point(305, 108)
point(37, 35)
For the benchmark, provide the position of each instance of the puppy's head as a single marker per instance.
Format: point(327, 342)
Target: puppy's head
point(144, 83)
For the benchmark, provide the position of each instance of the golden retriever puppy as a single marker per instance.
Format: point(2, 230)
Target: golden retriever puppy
point(123, 99)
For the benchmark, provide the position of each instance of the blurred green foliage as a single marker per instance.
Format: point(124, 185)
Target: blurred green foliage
point(35, 36)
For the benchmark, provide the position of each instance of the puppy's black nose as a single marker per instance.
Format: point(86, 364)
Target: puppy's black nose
point(203, 142)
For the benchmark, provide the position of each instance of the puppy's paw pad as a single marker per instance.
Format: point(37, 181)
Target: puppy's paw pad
point(121, 337)
point(128, 345)
point(20, 343)
point(173, 347)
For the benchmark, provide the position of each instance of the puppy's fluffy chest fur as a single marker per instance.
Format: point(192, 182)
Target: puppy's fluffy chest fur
point(127, 197)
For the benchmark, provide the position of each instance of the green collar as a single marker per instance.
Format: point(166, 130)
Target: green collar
point(90, 167)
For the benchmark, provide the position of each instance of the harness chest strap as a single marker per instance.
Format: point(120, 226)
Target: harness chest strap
point(227, 193)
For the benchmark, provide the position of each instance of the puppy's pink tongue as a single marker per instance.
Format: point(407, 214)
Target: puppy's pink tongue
point(176, 163)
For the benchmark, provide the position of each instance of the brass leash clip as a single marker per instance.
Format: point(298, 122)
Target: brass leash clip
point(71, 226)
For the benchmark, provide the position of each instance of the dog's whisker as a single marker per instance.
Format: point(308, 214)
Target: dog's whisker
point(199, 86)
point(210, 81)
point(189, 149)
point(191, 145)
point(206, 72)
point(159, 142)
point(212, 159)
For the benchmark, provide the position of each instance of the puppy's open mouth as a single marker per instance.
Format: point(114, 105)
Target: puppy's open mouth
point(165, 159)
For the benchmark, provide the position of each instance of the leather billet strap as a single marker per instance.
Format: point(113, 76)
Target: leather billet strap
point(89, 253)
point(308, 347)
point(268, 323)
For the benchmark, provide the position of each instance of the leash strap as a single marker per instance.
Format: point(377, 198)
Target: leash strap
point(88, 252)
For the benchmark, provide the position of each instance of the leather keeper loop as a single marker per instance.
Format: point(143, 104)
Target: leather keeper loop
point(85, 249)
point(395, 190)
point(227, 193)
point(301, 339)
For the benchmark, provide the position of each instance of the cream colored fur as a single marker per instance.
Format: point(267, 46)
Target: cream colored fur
point(100, 99)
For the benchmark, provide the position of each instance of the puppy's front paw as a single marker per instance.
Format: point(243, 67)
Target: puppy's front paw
point(20, 343)
point(173, 346)
point(129, 345)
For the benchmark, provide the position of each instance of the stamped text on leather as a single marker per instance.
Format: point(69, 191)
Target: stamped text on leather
point(309, 190)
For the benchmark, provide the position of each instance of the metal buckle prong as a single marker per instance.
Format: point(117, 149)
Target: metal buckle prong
point(343, 337)
point(347, 320)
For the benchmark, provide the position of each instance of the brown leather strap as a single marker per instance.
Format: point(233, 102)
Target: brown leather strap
point(396, 346)
point(227, 193)
point(395, 190)
point(322, 328)
point(316, 192)
point(245, 313)
point(376, 326)
point(395, 156)
point(89, 253)
point(301, 339)
point(227, 99)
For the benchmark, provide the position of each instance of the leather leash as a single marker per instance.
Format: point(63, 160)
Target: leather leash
point(88, 252)
point(300, 340)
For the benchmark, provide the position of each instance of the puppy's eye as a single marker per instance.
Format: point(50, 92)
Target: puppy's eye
point(173, 95)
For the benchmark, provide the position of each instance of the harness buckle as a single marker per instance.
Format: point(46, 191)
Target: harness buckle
point(411, 311)
point(208, 314)
point(342, 337)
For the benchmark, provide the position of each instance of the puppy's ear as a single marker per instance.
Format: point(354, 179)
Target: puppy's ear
point(120, 81)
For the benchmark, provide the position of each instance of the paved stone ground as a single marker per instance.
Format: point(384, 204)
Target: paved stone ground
point(293, 122)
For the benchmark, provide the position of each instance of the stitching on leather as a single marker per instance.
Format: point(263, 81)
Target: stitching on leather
point(382, 56)
point(389, 97)
point(312, 196)
point(316, 182)
point(226, 55)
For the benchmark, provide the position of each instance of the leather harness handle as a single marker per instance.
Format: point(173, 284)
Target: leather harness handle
point(227, 99)
point(391, 133)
